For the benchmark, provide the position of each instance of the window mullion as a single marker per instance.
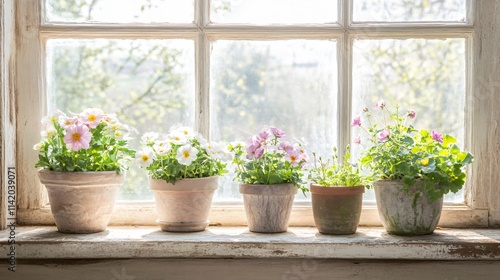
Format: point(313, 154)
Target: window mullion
point(202, 66)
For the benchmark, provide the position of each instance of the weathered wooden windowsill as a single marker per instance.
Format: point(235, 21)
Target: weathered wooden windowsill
point(238, 242)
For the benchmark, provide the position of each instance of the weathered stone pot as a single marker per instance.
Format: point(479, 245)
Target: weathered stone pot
point(185, 205)
point(81, 202)
point(337, 209)
point(268, 207)
point(406, 212)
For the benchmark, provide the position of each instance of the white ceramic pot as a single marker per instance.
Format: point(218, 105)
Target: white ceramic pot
point(81, 202)
point(185, 205)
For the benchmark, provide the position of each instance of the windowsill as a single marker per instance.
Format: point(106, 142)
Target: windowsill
point(238, 242)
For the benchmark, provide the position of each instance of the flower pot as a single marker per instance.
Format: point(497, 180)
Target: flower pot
point(268, 207)
point(81, 202)
point(337, 209)
point(406, 212)
point(185, 205)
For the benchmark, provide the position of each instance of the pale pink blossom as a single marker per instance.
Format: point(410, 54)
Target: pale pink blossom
point(92, 117)
point(286, 146)
point(357, 140)
point(264, 135)
point(67, 121)
point(356, 121)
point(412, 114)
point(437, 136)
point(384, 135)
point(277, 132)
point(380, 104)
point(77, 137)
point(294, 157)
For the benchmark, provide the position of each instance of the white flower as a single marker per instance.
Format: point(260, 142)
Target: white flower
point(145, 157)
point(186, 154)
point(37, 146)
point(149, 137)
point(162, 148)
point(186, 131)
point(177, 138)
point(49, 120)
point(49, 132)
point(110, 118)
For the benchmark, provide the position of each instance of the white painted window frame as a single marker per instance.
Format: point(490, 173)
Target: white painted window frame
point(482, 206)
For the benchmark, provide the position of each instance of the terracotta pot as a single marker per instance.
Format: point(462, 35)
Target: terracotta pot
point(81, 202)
point(406, 213)
point(337, 209)
point(185, 205)
point(268, 207)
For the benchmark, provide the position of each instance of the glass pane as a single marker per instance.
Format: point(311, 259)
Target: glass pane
point(425, 75)
point(288, 84)
point(409, 11)
point(273, 11)
point(123, 11)
point(149, 84)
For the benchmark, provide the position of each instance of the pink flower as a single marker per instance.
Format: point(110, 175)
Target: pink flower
point(384, 135)
point(437, 136)
point(264, 135)
point(412, 114)
point(92, 117)
point(380, 104)
point(277, 132)
point(77, 137)
point(293, 157)
point(286, 146)
point(65, 121)
point(357, 140)
point(255, 141)
point(356, 121)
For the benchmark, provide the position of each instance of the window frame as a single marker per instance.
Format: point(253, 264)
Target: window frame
point(479, 209)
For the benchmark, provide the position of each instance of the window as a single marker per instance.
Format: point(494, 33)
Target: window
point(230, 67)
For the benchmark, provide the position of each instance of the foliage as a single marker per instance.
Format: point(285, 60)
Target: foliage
point(181, 154)
point(269, 160)
point(333, 173)
point(400, 152)
point(88, 141)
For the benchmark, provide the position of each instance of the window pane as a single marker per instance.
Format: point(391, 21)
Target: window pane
point(289, 84)
point(123, 11)
point(149, 84)
point(273, 11)
point(425, 75)
point(409, 11)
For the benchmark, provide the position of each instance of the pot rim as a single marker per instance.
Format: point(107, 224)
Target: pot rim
point(336, 190)
point(48, 171)
point(185, 185)
point(272, 189)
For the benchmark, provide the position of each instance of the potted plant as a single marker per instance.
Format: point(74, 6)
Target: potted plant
point(337, 194)
point(414, 168)
point(183, 169)
point(82, 159)
point(270, 172)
